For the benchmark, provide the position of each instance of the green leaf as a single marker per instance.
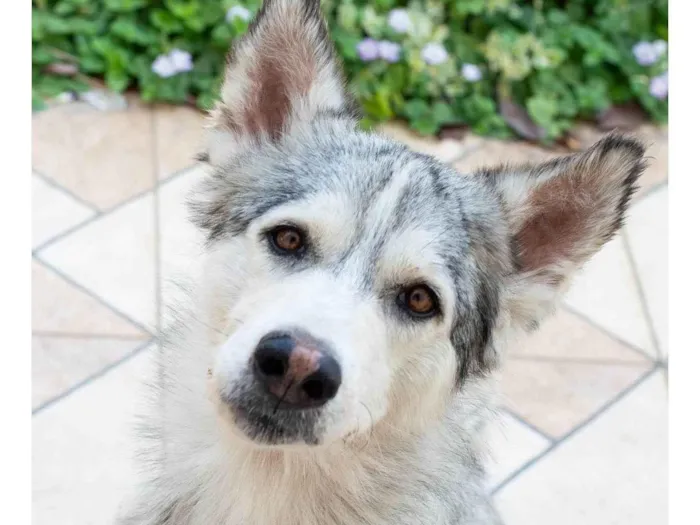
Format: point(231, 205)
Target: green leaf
point(541, 110)
point(131, 31)
point(124, 6)
point(165, 21)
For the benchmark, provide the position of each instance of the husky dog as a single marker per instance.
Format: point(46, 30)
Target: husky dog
point(337, 364)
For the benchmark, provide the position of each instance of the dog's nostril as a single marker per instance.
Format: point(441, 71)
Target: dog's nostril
point(314, 388)
point(272, 366)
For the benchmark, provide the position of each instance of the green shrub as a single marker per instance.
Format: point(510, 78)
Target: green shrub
point(559, 60)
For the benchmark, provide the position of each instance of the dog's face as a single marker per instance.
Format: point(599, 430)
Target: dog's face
point(357, 281)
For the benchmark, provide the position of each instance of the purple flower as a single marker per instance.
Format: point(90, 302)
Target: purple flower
point(645, 53)
point(658, 87)
point(181, 60)
point(434, 54)
point(471, 73)
point(163, 66)
point(368, 49)
point(389, 51)
point(399, 21)
point(237, 11)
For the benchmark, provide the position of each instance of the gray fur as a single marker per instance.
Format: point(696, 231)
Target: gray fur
point(402, 441)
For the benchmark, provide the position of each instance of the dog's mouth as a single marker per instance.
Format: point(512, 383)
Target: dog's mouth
point(270, 426)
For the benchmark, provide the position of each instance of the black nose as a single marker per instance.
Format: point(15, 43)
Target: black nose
point(296, 369)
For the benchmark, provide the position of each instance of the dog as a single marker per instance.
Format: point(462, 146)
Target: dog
point(339, 357)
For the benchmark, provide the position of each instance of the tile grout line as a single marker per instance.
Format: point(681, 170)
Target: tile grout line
point(640, 292)
point(48, 243)
point(608, 333)
point(520, 419)
point(578, 428)
point(65, 191)
point(92, 294)
point(581, 361)
point(91, 378)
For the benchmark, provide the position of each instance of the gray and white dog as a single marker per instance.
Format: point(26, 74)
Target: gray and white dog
point(337, 364)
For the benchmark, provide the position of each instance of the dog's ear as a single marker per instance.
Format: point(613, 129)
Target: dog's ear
point(560, 213)
point(284, 70)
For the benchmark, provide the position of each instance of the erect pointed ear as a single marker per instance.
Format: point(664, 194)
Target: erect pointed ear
point(560, 213)
point(283, 70)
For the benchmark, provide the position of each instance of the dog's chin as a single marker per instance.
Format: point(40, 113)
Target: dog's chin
point(265, 427)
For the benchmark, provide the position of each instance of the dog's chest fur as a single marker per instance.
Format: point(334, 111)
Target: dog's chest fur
point(205, 477)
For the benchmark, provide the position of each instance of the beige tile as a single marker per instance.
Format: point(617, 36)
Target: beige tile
point(556, 396)
point(491, 153)
point(83, 447)
point(647, 233)
point(606, 293)
point(58, 363)
point(657, 155)
point(511, 444)
point(58, 307)
point(179, 135)
point(445, 150)
point(114, 257)
point(54, 211)
point(104, 157)
point(567, 336)
point(181, 243)
point(613, 472)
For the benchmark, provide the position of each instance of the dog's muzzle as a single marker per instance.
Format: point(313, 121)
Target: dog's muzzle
point(280, 397)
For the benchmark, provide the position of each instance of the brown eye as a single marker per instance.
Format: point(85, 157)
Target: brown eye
point(419, 300)
point(287, 239)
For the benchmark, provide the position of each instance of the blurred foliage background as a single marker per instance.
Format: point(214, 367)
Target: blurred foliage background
point(500, 67)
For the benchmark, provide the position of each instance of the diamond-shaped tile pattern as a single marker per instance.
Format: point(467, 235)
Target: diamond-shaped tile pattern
point(566, 336)
point(54, 211)
point(60, 363)
point(612, 472)
point(606, 293)
point(114, 257)
point(556, 396)
point(59, 308)
point(83, 448)
point(104, 157)
point(647, 233)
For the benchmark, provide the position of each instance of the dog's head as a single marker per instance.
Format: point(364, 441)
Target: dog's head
point(357, 281)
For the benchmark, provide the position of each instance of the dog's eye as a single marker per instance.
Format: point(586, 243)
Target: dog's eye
point(287, 240)
point(419, 301)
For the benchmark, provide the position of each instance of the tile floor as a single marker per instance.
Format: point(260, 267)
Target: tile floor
point(583, 433)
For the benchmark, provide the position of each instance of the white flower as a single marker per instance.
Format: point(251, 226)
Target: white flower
point(645, 53)
point(471, 73)
point(660, 46)
point(399, 21)
point(163, 66)
point(181, 60)
point(658, 87)
point(434, 54)
point(177, 61)
point(389, 51)
point(237, 11)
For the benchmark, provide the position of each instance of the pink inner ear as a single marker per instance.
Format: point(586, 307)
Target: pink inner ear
point(284, 70)
point(559, 212)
